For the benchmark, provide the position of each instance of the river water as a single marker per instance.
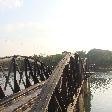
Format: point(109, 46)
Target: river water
point(8, 91)
point(100, 97)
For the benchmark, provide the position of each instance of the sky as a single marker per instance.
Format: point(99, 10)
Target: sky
point(47, 27)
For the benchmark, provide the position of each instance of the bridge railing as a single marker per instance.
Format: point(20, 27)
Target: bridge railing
point(59, 89)
point(21, 70)
point(46, 90)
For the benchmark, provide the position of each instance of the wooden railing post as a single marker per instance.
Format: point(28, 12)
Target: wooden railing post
point(16, 86)
point(35, 72)
point(31, 73)
point(40, 72)
point(28, 84)
point(2, 95)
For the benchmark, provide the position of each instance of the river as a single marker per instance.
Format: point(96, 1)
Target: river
point(100, 97)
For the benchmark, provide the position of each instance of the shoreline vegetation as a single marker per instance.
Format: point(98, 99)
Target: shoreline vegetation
point(100, 59)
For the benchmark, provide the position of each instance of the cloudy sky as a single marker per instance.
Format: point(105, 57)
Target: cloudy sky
point(30, 27)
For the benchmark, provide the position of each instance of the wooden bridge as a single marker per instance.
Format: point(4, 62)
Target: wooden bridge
point(34, 87)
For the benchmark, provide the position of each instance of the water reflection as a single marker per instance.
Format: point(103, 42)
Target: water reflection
point(99, 98)
point(100, 81)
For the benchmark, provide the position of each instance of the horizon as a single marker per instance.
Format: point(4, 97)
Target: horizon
point(51, 27)
point(42, 54)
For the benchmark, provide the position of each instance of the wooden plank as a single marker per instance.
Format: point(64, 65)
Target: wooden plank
point(22, 103)
point(12, 98)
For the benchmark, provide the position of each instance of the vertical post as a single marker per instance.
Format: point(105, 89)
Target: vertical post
point(40, 68)
point(77, 69)
point(45, 71)
point(21, 74)
point(31, 72)
point(28, 84)
point(35, 74)
point(2, 95)
point(71, 79)
point(76, 63)
point(16, 86)
point(7, 78)
point(65, 89)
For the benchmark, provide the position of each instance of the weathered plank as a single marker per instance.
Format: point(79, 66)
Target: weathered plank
point(13, 102)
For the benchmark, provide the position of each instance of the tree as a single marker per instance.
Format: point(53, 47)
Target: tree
point(101, 58)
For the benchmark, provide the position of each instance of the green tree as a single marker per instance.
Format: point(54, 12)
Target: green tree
point(101, 58)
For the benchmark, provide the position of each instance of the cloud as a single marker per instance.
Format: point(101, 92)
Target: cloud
point(10, 3)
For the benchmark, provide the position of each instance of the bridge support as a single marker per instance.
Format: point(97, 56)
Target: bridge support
point(2, 95)
point(82, 103)
point(63, 91)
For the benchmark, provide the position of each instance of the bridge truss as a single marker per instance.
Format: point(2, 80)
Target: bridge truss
point(44, 89)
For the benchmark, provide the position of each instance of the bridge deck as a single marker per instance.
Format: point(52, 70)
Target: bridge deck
point(63, 86)
point(23, 99)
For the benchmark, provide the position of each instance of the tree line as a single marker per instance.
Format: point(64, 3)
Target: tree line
point(99, 57)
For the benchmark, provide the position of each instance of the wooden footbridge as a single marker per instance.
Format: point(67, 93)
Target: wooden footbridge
point(31, 86)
